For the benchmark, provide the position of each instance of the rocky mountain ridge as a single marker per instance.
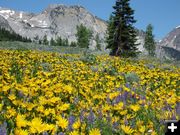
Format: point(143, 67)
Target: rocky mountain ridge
point(54, 21)
point(61, 20)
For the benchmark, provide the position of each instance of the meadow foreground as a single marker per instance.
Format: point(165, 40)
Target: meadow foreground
point(52, 93)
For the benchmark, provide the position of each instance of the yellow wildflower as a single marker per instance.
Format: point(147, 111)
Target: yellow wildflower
point(77, 124)
point(1, 106)
point(142, 129)
point(135, 108)
point(20, 121)
point(94, 131)
point(12, 97)
point(74, 133)
point(21, 132)
point(36, 126)
point(62, 122)
point(127, 129)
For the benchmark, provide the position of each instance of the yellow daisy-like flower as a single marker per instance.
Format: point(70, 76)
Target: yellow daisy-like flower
point(74, 133)
point(21, 132)
point(123, 112)
point(127, 129)
point(64, 107)
point(62, 122)
point(12, 97)
point(94, 131)
point(135, 108)
point(20, 121)
point(142, 129)
point(119, 106)
point(77, 124)
point(36, 126)
point(68, 89)
point(1, 106)
point(5, 88)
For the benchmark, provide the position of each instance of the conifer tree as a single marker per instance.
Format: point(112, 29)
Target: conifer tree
point(121, 32)
point(59, 41)
point(66, 42)
point(149, 44)
point(73, 44)
point(52, 42)
point(45, 41)
point(110, 35)
point(98, 44)
point(83, 36)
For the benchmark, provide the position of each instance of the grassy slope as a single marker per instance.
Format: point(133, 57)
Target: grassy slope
point(32, 46)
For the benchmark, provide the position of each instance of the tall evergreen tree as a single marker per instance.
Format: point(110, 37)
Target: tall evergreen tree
point(45, 41)
point(110, 34)
point(98, 44)
point(83, 36)
point(52, 42)
point(149, 44)
point(121, 32)
point(73, 44)
point(59, 41)
point(66, 42)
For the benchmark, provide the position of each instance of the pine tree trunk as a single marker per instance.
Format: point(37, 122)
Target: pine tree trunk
point(117, 51)
point(119, 39)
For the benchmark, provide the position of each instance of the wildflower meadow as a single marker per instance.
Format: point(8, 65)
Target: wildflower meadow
point(69, 94)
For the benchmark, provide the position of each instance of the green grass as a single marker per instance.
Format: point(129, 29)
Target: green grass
point(32, 46)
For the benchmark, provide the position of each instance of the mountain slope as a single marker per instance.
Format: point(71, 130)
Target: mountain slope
point(4, 24)
point(56, 20)
point(172, 39)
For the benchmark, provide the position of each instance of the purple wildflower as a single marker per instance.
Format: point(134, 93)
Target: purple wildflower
point(71, 121)
point(118, 99)
point(3, 130)
point(108, 118)
point(60, 133)
point(76, 100)
point(115, 125)
point(124, 96)
point(108, 100)
point(100, 115)
point(127, 85)
point(45, 133)
point(81, 115)
point(91, 117)
point(119, 89)
point(178, 108)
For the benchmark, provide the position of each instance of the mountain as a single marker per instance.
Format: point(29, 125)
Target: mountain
point(56, 20)
point(61, 20)
point(169, 46)
point(172, 39)
point(4, 24)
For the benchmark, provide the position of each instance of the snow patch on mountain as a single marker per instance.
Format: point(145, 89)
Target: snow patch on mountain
point(20, 15)
point(5, 16)
point(178, 27)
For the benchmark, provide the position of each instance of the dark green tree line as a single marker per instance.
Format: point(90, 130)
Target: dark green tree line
point(6, 35)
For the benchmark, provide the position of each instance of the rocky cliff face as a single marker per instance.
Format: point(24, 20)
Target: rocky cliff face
point(172, 40)
point(4, 24)
point(56, 20)
point(169, 46)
